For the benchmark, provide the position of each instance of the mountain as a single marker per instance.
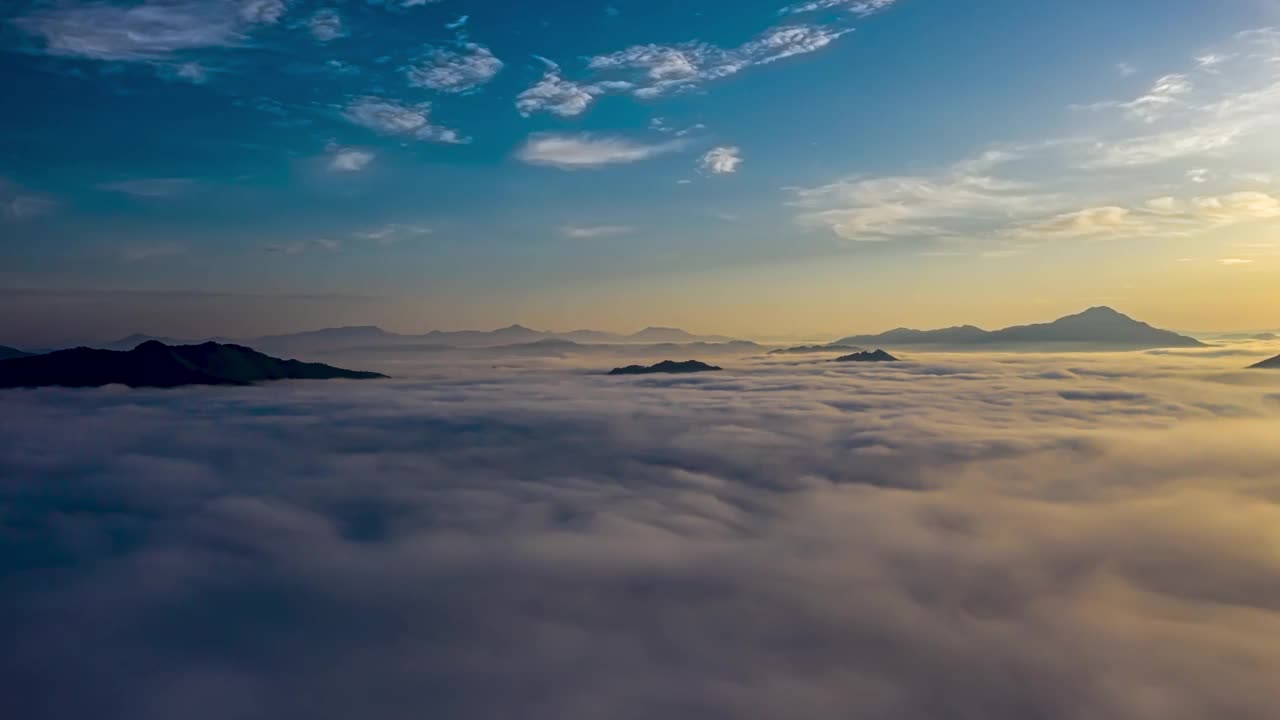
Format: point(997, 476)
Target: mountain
point(1272, 364)
point(815, 349)
point(868, 357)
point(154, 364)
point(672, 335)
point(8, 352)
point(666, 367)
point(1099, 328)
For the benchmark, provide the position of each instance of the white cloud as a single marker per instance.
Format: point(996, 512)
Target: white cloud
point(1199, 141)
point(722, 160)
point(326, 25)
point(344, 159)
point(553, 94)
point(652, 70)
point(150, 30)
point(584, 151)
point(391, 117)
point(150, 187)
point(858, 7)
point(1234, 261)
point(454, 71)
point(588, 232)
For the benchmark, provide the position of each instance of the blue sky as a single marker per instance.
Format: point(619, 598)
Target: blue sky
point(746, 166)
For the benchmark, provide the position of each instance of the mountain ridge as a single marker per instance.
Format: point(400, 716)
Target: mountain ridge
point(1101, 327)
point(155, 364)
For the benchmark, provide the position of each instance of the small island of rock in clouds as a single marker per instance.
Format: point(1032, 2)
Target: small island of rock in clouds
point(804, 359)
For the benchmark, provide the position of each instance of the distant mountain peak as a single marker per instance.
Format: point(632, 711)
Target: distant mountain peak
point(1098, 327)
point(875, 356)
point(1103, 311)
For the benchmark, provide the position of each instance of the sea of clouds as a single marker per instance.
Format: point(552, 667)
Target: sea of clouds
point(984, 537)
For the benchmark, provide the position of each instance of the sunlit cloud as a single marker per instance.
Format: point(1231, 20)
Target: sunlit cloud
point(585, 151)
point(724, 160)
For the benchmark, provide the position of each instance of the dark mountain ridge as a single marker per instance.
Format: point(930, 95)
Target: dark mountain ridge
point(815, 349)
point(1272, 364)
point(370, 336)
point(668, 367)
point(8, 352)
point(1095, 328)
point(875, 356)
point(154, 364)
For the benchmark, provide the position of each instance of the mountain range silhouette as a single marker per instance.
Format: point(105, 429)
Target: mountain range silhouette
point(1099, 328)
point(154, 364)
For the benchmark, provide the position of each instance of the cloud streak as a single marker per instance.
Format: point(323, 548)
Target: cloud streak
point(585, 151)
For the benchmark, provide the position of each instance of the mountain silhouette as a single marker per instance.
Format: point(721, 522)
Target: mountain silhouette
point(867, 357)
point(154, 364)
point(666, 367)
point(815, 349)
point(8, 352)
point(1099, 328)
point(1272, 364)
point(671, 335)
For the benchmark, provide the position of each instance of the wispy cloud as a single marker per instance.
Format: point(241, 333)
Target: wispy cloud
point(652, 70)
point(589, 232)
point(722, 160)
point(454, 71)
point(857, 7)
point(392, 233)
point(391, 117)
point(152, 30)
point(965, 196)
point(326, 25)
point(584, 151)
point(1210, 127)
point(302, 246)
point(149, 187)
point(18, 203)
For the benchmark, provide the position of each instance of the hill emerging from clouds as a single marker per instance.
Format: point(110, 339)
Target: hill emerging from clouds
point(1099, 328)
point(8, 352)
point(1272, 364)
point(154, 364)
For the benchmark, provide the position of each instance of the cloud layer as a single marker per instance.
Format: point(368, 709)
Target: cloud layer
point(960, 536)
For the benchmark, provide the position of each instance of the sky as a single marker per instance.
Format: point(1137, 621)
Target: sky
point(238, 167)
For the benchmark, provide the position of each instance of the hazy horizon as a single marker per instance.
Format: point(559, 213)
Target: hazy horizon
point(254, 318)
